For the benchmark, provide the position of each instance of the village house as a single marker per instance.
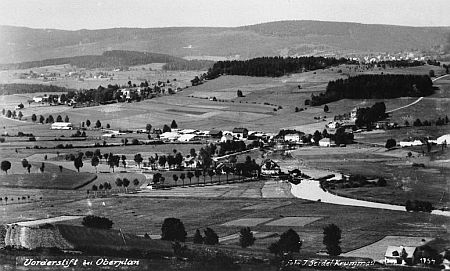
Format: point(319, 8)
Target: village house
point(325, 142)
point(215, 134)
point(227, 137)
point(61, 126)
point(269, 167)
point(169, 136)
point(400, 255)
point(411, 142)
point(240, 132)
point(292, 138)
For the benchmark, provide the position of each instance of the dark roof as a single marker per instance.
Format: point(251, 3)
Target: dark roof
point(240, 130)
point(215, 132)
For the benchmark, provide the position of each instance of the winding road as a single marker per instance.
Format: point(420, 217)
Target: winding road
point(418, 100)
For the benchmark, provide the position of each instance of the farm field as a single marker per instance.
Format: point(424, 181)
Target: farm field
point(140, 215)
point(267, 206)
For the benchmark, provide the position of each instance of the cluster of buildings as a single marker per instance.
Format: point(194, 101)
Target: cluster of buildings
point(239, 133)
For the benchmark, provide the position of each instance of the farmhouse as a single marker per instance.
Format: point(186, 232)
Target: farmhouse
point(215, 134)
point(400, 255)
point(188, 137)
point(409, 143)
point(240, 132)
point(227, 137)
point(333, 125)
point(325, 142)
point(269, 167)
point(37, 99)
point(169, 136)
point(292, 138)
point(61, 126)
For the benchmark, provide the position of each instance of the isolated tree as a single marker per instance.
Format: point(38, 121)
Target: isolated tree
point(246, 238)
point(59, 118)
point(95, 161)
point(198, 238)
point(60, 168)
point(148, 127)
point(124, 161)
point(50, 119)
point(239, 93)
point(14, 114)
point(92, 221)
point(20, 115)
point(8, 114)
point(88, 123)
point(197, 174)
point(138, 159)
point(211, 237)
point(126, 183)
point(66, 119)
point(172, 229)
point(192, 152)
point(108, 126)
point(78, 163)
point(98, 124)
point(119, 182)
point(41, 119)
point(211, 174)
point(390, 143)
point(182, 177)
point(33, 118)
point(326, 109)
point(25, 163)
point(331, 239)
point(175, 178)
point(174, 125)
point(5, 166)
point(135, 182)
point(190, 175)
point(289, 242)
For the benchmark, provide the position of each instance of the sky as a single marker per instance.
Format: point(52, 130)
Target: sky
point(100, 14)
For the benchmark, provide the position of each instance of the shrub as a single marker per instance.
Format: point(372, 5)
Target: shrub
point(246, 237)
point(172, 229)
point(390, 143)
point(211, 238)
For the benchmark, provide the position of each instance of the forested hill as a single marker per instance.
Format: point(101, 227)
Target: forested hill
point(115, 59)
point(375, 86)
point(272, 66)
point(20, 44)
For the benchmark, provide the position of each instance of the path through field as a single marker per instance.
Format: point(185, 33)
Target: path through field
point(310, 190)
point(416, 101)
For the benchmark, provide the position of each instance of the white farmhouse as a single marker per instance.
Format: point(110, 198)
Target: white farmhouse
point(325, 142)
point(292, 138)
point(61, 126)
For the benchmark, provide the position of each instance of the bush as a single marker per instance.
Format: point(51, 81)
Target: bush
point(172, 229)
point(211, 238)
point(289, 242)
point(246, 237)
point(390, 143)
point(92, 221)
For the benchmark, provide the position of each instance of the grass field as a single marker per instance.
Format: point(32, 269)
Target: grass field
point(360, 226)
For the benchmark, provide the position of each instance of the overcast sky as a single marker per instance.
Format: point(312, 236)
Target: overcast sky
point(96, 14)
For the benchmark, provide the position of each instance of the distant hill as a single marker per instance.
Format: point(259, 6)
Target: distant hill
point(112, 59)
point(19, 44)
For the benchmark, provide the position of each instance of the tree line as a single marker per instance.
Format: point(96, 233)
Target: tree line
point(272, 66)
point(8, 89)
point(188, 65)
point(375, 86)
